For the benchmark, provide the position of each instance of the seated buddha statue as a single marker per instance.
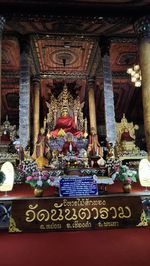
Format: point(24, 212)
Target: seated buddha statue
point(127, 141)
point(64, 124)
point(5, 138)
point(125, 136)
point(69, 146)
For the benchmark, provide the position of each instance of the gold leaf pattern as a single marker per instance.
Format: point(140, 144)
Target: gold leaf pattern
point(143, 219)
point(12, 226)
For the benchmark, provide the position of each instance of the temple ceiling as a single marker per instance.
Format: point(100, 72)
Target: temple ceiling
point(63, 55)
point(66, 47)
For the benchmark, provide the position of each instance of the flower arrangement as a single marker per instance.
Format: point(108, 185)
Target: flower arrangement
point(38, 179)
point(112, 167)
point(25, 168)
point(126, 175)
point(42, 179)
point(30, 173)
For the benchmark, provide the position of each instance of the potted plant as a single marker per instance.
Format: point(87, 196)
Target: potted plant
point(127, 176)
point(40, 180)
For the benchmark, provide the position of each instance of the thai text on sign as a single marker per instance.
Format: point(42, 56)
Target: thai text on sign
point(76, 213)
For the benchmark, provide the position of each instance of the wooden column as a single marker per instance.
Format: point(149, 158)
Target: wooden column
point(24, 93)
point(142, 29)
point(36, 107)
point(2, 23)
point(92, 108)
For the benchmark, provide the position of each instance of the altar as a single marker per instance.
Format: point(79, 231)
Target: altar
point(22, 196)
point(68, 159)
point(29, 214)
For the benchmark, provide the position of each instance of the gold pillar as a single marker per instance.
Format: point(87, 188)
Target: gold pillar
point(142, 28)
point(36, 108)
point(92, 108)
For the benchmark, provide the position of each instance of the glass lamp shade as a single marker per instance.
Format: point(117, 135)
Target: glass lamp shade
point(138, 83)
point(8, 169)
point(136, 67)
point(129, 70)
point(132, 73)
point(133, 79)
point(144, 173)
point(137, 75)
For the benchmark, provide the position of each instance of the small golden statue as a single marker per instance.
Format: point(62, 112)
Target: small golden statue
point(126, 137)
point(41, 149)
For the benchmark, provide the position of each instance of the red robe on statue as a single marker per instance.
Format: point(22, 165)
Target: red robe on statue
point(67, 124)
point(5, 138)
point(66, 145)
point(126, 136)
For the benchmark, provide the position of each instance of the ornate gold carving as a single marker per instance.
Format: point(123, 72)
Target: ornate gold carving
point(65, 100)
point(126, 145)
point(12, 226)
point(6, 127)
point(143, 219)
point(120, 128)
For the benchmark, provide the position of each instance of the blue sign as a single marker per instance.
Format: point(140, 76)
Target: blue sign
point(72, 186)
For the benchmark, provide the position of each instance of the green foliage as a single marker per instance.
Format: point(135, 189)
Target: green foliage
point(126, 175)
point(2, 177)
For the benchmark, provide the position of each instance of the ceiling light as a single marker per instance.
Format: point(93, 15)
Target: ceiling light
point(136, 76)
point(129, 70)
point(136, 67)
point(138, 83)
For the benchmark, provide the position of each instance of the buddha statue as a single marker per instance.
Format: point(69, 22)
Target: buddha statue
point(69, 146)
point(7, 132)
point(125, 136)
point(5, 138)
point(41, 149)
point(94, 148)
point(127, 141)
point(64, 124)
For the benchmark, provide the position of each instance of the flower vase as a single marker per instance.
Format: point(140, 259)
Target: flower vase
point(126, 187)
point(38, 192)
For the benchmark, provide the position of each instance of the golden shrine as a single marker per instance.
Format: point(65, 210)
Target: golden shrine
point(125, 142)
point(64, 130)
point(8, 134)
point(65, 101)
